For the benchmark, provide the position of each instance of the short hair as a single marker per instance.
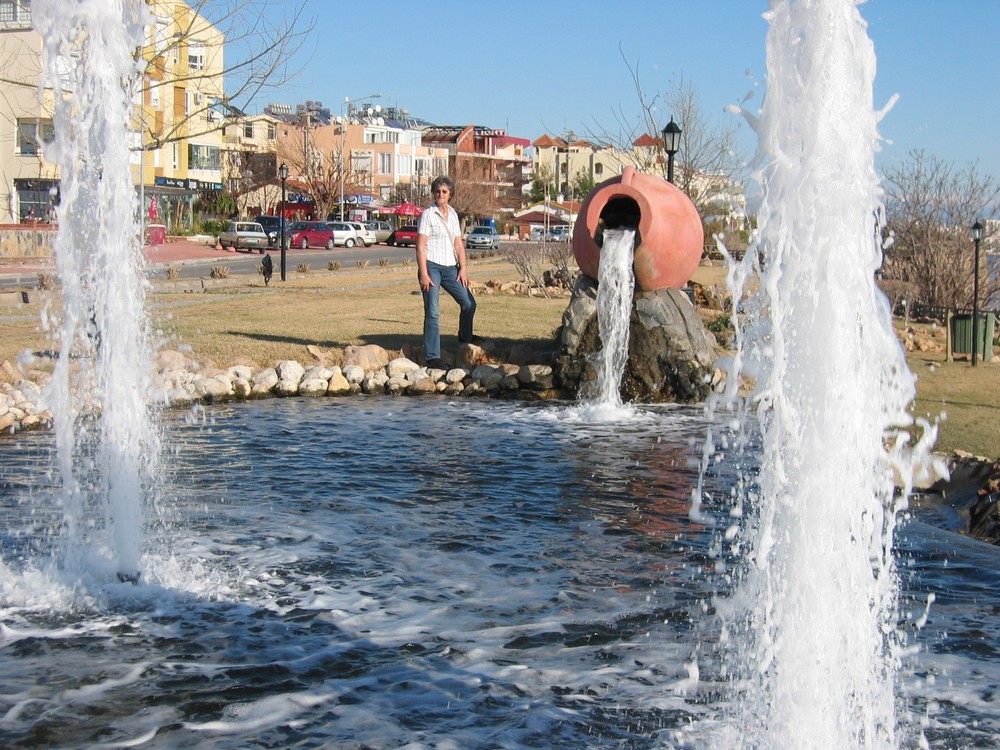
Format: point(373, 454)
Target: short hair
point(443, 180)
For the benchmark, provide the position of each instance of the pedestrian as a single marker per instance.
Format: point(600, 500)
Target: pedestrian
point(441, 263)
point(267, 268)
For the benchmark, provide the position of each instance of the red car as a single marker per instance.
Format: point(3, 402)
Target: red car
point(405, 235)
point(311, 234)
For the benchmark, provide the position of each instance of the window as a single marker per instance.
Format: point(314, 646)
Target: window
point(31, 134)
point(248, 130)
point(272, 131)
point(176, 155)
point(598, 170)
point(161, 35)
point(404, 165)
point(204, 157)
point(15, 12)
point(385, 163)
point(154, 97)
point(196, 55)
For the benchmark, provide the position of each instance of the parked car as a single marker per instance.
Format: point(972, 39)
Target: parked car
point(381, 229)
point(483, 237)
point(558, 234)
point(311, 234)
point(272, 225)
point(405, 235)
point(244, 235)
point(365, 234)
point(343, 233)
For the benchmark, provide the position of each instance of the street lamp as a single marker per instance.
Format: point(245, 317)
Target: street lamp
point(671, 144)
point(977, 236)
point(343, 142)
point(283, 174)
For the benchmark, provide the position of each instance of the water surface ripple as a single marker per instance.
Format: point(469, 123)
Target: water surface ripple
point(385, 572)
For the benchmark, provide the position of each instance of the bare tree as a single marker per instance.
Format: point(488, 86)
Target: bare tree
point(320, 172)
point(709, 162)
point(265, 47)
point(930, 206)
point(475, 194)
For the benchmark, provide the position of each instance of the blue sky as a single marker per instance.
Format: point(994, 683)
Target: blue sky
point(533, 66)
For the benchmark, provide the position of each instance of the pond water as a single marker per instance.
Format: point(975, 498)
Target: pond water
point(379, 572)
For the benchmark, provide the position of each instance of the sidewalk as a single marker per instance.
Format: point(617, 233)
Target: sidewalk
point(178, 251)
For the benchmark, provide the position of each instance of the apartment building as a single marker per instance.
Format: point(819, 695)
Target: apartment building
point(178, 138)
point(27, 181)
point(175, 137)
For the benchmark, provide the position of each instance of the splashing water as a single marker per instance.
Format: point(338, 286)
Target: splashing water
point(614, 308)
point(105, 436)
point(811, 627)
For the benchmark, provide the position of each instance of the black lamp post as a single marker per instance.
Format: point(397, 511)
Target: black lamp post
point(977, 236)
point(671, 144)
point(283, 174)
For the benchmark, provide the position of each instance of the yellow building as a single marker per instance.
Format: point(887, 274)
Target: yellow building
point(176, 137)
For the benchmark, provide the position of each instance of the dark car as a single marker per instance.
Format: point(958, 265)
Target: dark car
point(272, 225)
point(405, 235)
point(312, 234)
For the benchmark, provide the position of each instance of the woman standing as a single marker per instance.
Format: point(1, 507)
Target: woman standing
point(441, 263)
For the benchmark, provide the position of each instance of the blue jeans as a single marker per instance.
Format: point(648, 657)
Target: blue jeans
point(445, 277)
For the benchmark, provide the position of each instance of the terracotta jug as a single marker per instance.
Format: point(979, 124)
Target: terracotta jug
point(669, 240)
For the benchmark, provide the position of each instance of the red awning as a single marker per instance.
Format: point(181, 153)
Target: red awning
point(403, 209)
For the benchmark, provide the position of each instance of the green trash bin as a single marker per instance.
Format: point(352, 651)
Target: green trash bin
point(961, 335)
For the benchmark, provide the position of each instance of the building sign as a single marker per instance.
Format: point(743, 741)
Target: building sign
point(490, 133)
point(186, 184)
point(360, 199)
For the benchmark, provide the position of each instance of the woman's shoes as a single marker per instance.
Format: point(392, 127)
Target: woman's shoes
point(477, 340)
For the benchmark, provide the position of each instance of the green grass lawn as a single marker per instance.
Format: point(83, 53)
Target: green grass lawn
point(244, 322)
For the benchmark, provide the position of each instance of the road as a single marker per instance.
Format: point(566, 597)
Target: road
point(317, 259)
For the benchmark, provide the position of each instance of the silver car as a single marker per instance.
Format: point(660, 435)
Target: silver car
point(381, 229)
point(343, 233)
point(483, 237)
point(244, 235)
point(365, 234)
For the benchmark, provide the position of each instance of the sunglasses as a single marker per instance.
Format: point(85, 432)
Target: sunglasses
point(442, 191)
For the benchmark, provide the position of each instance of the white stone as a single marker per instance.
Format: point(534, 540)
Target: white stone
point(287, 387)
point(313, 387)
point(290, 370)
point(354, 373)
point(266, 378)
point(317, 372)
point(241, 372)
point(401, 366)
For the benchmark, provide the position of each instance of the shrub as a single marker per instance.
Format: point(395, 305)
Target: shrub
point(383, 262)
point(220, 272)
point(46, 280)
point(172, 272)
point(302, 268)
point(333, 265)
point(722, 328)
point(363, 263)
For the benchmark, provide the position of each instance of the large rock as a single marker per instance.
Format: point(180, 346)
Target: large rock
point(671, 354)
point(368, 357)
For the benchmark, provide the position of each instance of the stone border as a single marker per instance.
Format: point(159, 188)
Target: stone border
point(367, 370)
